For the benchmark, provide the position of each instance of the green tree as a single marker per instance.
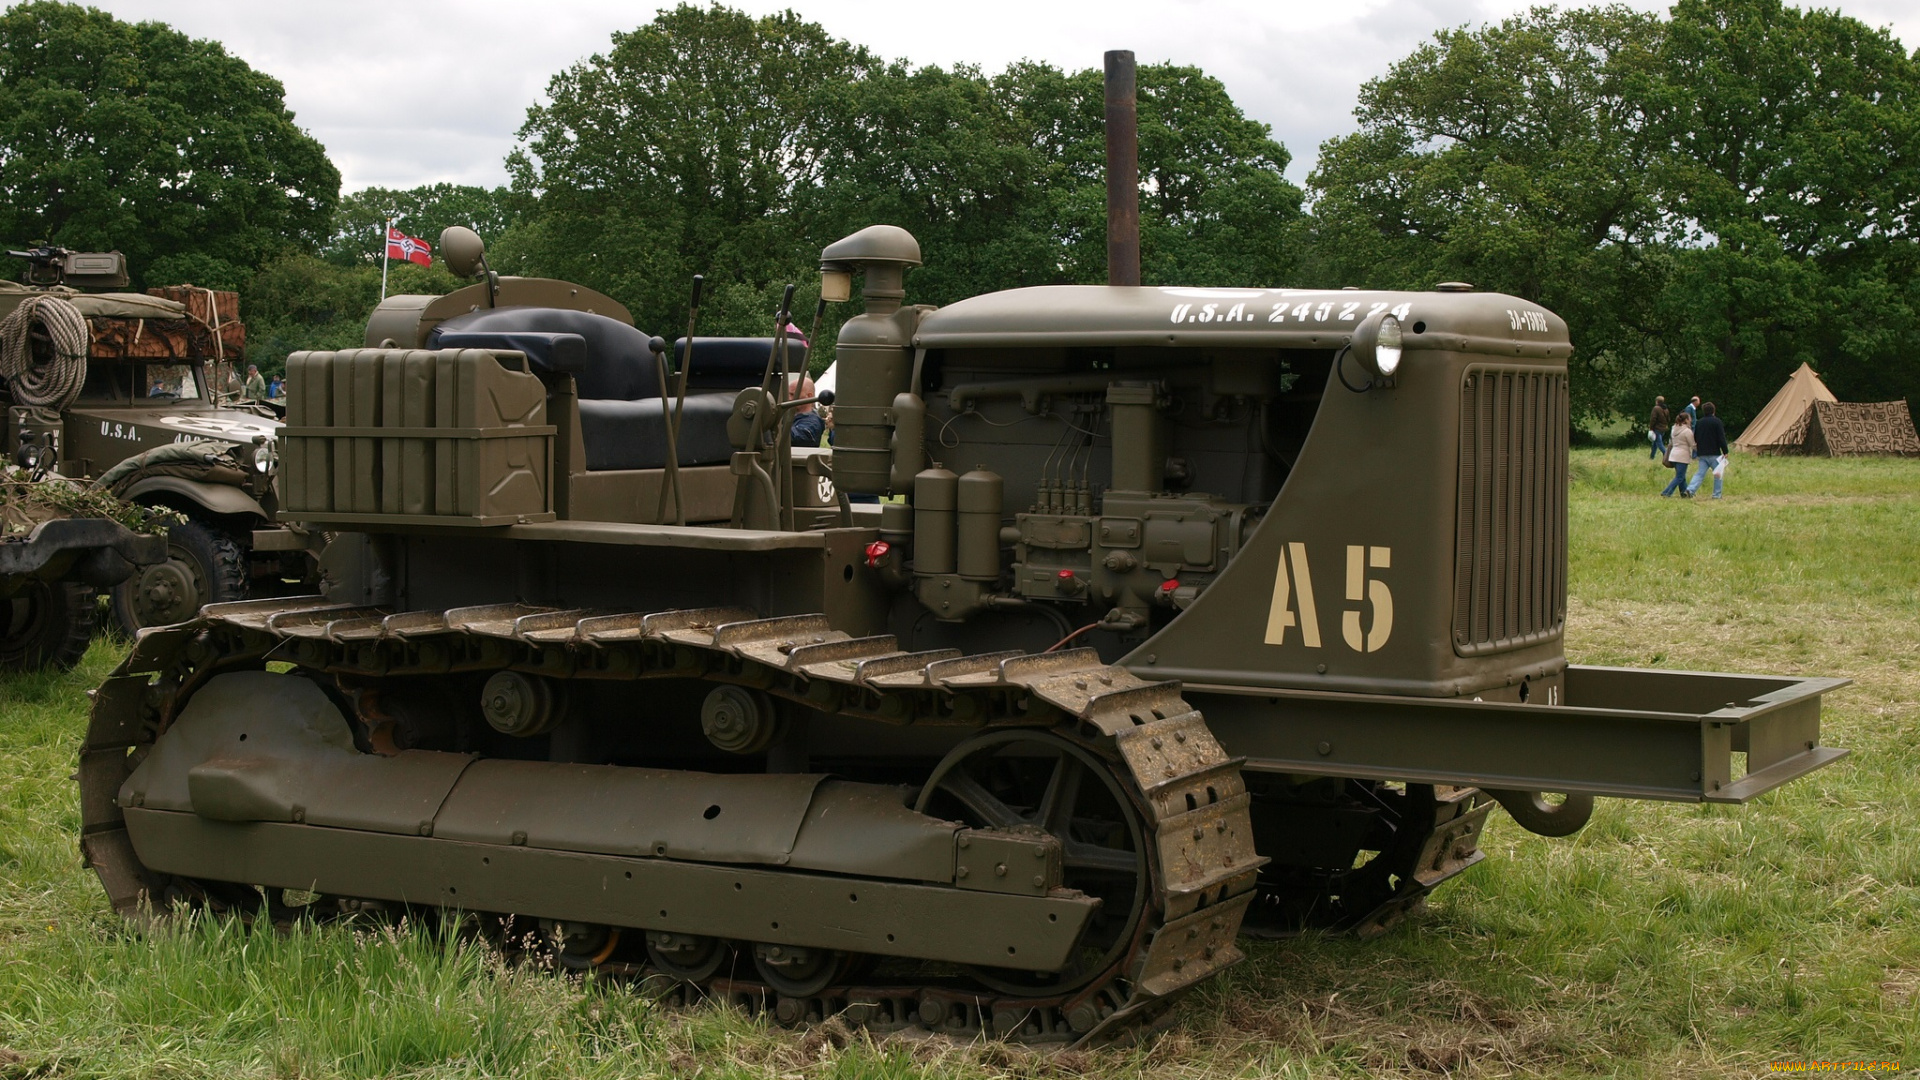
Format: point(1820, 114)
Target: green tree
point(712, 142)
point(1003, 180)
point(1215, 207)
point(137, 137)
point(359, 223)
point(941, 155)
point(678, 152)
point(1791, 183)
point(299, 301)
point(1708, 199)
point(1509, 156)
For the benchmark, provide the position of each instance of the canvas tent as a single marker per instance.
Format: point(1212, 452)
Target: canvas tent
point(1849, 428)
point(1805, 418)
point(1781, 427)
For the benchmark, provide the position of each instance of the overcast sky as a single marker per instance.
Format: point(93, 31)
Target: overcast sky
point(410, 92)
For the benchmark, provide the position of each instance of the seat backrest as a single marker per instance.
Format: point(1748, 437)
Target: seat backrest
point(619, 365)
point(559, 353)
point(723, 363)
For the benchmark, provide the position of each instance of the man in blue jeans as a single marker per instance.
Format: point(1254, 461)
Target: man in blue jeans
point(1710, 440)
point(1657, 424)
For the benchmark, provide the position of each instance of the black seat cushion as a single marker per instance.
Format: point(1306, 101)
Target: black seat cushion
point(618, 365)
point(733, 363)
point(633, 434)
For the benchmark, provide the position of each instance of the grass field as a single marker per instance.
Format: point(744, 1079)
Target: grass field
point(1663, 940)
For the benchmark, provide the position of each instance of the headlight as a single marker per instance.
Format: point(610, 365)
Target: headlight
point(263, 458)
point(1377, 344)
point(1386, 349)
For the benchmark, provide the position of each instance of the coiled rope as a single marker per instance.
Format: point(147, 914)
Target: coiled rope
point(54, 383)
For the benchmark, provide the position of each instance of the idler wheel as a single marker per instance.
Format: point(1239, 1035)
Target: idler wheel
point(687, 957)
point(738, 720)
point(795, 970)
point(520, 705)
point(1034, 779)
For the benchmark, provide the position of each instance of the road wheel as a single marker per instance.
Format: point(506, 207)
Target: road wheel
point(204, 565)
point(47, 624)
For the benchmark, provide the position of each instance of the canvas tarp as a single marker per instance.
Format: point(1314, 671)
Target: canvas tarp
point(1781, 427)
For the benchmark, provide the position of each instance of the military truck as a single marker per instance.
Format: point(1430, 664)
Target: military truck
point(57, 546)
point(106, 378)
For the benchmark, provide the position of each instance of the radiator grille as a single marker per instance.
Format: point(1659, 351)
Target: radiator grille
point(1510, 575)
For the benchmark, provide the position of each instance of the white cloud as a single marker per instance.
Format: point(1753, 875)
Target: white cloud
point(421, 91)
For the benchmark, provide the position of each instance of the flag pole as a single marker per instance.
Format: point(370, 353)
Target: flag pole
point(386, 235)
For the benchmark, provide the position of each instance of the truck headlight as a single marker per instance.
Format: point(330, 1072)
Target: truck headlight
point(1377, 344)
point(263, 457)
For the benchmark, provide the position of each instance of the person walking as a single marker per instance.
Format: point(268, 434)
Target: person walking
point(1657, 425)
point(1680, 454)
point(1710, 446)
point(256, 387)
point(1693, 409)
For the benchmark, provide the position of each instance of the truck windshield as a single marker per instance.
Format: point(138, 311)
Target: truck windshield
point(174, 382)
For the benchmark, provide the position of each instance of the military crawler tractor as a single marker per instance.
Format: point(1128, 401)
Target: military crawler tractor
point(1187, 613)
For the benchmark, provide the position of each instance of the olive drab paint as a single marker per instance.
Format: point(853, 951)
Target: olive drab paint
point(1282, 607)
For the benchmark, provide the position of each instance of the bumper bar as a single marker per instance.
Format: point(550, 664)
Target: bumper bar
point(1619, 732)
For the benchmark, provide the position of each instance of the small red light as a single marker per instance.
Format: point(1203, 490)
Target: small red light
point(877, 551)
point(1066, 575)
point(1169, 586)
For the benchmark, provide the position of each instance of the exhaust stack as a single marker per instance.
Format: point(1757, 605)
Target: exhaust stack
point(1123, 171)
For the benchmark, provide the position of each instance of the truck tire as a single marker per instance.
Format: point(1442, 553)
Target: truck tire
point(48, 624)
point(204, 565)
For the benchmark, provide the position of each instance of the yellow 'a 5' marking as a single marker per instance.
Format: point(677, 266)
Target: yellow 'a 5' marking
point(1374, 591)
point(1289, 595)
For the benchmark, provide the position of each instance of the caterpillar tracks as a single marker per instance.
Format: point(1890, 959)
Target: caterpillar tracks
point(1187, 799)
point(1418, 835)
point(1185, 796)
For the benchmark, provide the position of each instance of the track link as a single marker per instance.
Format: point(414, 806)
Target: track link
point(1190, 796)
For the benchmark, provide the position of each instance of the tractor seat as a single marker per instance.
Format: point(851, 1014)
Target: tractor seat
point(733, 363)
point(619, 365)
point(633, 434)
point(622, 421)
